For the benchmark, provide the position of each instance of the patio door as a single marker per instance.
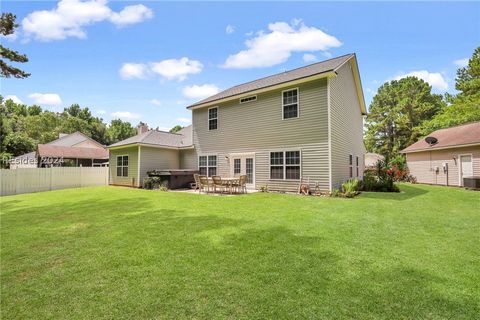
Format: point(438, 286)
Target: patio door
point(243, 165)
point(466, 167)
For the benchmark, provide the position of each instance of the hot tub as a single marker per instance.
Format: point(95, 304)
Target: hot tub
point(175, 178)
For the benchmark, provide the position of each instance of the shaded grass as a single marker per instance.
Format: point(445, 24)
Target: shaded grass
point(123, 253)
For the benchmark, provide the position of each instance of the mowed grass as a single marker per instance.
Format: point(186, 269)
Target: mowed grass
point(119, 253)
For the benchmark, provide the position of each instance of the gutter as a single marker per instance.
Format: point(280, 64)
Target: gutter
point(405, 151)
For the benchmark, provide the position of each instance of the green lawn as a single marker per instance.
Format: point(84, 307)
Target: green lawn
point(115, 253)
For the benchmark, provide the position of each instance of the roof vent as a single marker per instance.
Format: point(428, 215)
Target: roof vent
point(431, 140)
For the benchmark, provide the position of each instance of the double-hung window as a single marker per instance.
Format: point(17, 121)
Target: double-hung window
point(207, 165)
point(290, 103)
point(213, 118)
point(122, 166)
point(350, 165)
point(285, 165)
point(356, 158)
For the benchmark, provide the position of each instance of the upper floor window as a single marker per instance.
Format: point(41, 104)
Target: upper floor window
point(122, 166)
point(290, 103)
point(213, 118)
point(248, 99)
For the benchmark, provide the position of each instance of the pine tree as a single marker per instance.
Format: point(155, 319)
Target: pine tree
point(7, 27)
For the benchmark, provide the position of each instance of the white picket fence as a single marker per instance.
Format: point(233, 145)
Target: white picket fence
point(28, 180)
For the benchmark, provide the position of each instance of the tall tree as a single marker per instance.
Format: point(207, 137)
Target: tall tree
point(176, 129)
point(396, 112)
point(465, 106)
point(7, 27)
point(120, 130)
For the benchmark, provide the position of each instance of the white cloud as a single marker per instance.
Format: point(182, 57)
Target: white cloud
point(308, 57)
point(230, 29)
point(156, 102)
point(177, 69)
point(435, 79)
point(13, 98)
point(461, 62)
point(69, 18)
point(126, 115)
point(276, 46)
point(184, 120)
point(46, 98)
point(133, 71)
point(200, 92)
point(131, 15)
point(11, 37)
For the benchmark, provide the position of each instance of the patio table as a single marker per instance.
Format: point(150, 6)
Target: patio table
point(229, 181)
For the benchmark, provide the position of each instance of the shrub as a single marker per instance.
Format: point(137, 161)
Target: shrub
point(335, 193)
point(351, 188)
point(264, 188)
point(381, 179)
point(152, 183)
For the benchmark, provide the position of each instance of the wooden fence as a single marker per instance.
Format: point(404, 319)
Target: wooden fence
point(28, 180)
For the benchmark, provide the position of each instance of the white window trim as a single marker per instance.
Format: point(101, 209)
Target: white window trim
point(242, 102)
point(284, 164)
point(207, 166)
point(298, 103)
point(122, 166)
point(208, 118)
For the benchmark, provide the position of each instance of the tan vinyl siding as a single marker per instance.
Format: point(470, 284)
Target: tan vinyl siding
point(422, 164)
point(188, 159)
point(132, 179)
point(346, 123)
point(257, 127)
point(157, 158)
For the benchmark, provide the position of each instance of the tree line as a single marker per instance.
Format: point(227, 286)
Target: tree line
point(23, 127)
point(403, 111)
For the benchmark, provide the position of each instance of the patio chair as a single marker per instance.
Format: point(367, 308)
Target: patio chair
point(218, 183)
point(204, 184)
point(195, 185)
point(241, 184)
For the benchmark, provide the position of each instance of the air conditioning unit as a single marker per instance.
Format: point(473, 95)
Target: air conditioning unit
point(471, 182)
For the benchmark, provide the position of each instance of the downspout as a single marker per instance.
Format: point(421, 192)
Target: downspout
point(330, 186)
point(139, 163)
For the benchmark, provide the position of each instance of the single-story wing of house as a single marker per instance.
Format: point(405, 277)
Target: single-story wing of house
point(301, 125)
point(446, 156)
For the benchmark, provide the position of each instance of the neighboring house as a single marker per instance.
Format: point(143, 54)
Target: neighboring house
point(446, 156)
point(371, 159)
point(301, 124)
point(74, 149)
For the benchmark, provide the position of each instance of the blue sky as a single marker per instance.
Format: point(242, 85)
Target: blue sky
point(147, 60)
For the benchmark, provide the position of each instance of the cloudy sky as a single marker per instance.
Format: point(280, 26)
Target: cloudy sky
point(147, 60)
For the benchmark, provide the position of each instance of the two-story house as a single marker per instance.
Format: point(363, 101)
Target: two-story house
point(304, 123)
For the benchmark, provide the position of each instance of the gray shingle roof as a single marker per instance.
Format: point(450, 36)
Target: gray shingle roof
point(160, 138)
point(295, 74)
